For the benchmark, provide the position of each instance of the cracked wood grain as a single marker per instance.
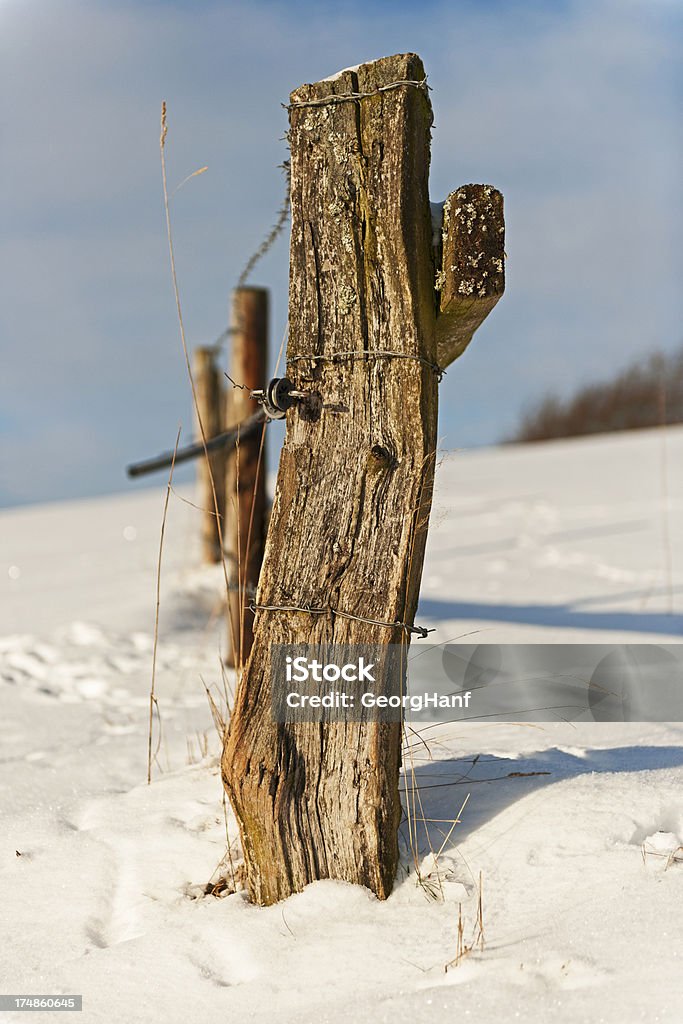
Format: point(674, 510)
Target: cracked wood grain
point(351, 508)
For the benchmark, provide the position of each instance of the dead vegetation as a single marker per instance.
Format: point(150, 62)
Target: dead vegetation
point(648, 393)
point(477, 940)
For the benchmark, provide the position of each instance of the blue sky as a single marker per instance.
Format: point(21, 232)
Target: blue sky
point(571, 109)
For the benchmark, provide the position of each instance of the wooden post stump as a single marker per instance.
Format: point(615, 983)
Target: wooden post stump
point(351, 509)
point(209, 388)
point(245, 482)
point(472, 275)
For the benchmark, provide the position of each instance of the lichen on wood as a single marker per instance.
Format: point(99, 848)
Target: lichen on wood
point(471, 278)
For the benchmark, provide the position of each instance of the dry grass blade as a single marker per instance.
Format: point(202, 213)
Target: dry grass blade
point(218, 718)
point(186, 501)
point(152, 692)
point(480, 912)
point(412, 789)
point(233, 874)
point(176, 292)
point(240, 589)
point(463, 949)
point(200, 170)
point(455, 821)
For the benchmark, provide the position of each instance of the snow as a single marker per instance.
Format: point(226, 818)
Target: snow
point(338, 74)
point(575, 830)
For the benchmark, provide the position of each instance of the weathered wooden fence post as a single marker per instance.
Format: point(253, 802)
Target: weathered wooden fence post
point(350, 515)
point(209, 388)
point(245, 485)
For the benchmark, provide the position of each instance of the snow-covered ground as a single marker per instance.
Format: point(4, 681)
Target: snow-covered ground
point(102, 877)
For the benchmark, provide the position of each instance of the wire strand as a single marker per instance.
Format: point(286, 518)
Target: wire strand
point(333, 98)
point(380, 353)
point(420, 631)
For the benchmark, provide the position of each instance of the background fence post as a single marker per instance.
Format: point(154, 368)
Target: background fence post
point(210, 402)
point(245, 485)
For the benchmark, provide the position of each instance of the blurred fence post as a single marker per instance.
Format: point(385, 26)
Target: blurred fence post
point(210, 403)
point(245, 487)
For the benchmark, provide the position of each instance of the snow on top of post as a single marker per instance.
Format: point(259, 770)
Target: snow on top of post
point(333, 78)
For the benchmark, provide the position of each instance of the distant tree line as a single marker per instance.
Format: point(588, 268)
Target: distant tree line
point(646, 394)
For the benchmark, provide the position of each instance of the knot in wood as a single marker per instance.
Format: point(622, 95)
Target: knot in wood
point(382, 458)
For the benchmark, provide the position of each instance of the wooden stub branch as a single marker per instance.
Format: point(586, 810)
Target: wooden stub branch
point(349, 520)
point(471, 278)
point(209, 388)
point(244, 534)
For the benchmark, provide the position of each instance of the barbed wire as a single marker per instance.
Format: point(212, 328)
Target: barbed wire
point(259, 253)
point(420, 631)
point(334, 98)
point(378, 353)
point(275, 231)
point(283, 212)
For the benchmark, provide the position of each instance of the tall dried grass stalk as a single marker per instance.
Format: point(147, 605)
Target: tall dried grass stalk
point(176, 292)
point(152, 693)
